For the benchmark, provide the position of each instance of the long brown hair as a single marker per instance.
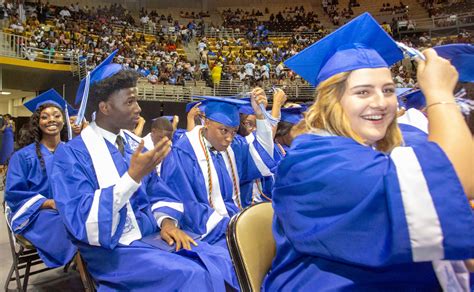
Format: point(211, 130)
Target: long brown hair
point(327, 113)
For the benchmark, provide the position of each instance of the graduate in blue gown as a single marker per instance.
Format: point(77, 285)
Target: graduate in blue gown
point(8, 141)
point(290, 117)
point(259, 189)
point(413, 123)
point(160, 127)
point(206, 166)
point(76, 128)
point(111, 199)
point(356, 211)
point(28, 193)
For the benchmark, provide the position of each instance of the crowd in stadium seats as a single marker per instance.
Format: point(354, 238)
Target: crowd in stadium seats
point(290, 19)
point(336, 15)
point(93, 32)
point(250, 59)
point(89, 33)
point(445, 8)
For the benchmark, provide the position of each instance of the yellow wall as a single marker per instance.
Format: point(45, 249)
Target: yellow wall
point(33, 64)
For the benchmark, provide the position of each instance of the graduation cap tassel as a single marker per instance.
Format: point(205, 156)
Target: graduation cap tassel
point(273, 121)
point(85, 96)
point(465, 105)
point(68, 123)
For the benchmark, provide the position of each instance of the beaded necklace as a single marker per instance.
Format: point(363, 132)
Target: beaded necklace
point(281, 149)
point(258, 182)
point(209, 176)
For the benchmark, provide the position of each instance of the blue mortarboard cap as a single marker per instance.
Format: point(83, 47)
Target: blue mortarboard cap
point(169, 118)
point(104, 70)
point(246, 109)
point(415, 99)
point(190, 105)
point(461, 57)
point(292, 115)
point(72, 111)
point(361, 43)
point(400, 92)
point(51, 96)
point(223, 110)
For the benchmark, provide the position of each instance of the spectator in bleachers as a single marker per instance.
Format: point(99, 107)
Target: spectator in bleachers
point(216, 73)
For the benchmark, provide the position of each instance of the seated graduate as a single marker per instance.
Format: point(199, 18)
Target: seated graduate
point(110, 198)
point(76, 128)
point(194, 115)
point(28, 193)
point(284, 135)
point(160, 127)
point(259, 189)
point(411, 120)
point(207, 164)
point(353, 209)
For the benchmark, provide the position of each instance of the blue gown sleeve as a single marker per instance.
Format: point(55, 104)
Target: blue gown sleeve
point(25, 183)
point(178, 134)
point(164, 202)
point(78, 199)
point(339, 200)
point(253, 155)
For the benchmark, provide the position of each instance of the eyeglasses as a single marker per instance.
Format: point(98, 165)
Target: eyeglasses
point(249, 125)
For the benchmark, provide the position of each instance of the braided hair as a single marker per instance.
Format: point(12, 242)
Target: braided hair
point(33, 132)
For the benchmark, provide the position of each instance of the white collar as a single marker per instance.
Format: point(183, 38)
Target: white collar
point(107, 135)
point(209, 146)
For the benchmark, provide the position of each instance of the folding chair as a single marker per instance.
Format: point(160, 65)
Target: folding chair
point(251, 244)
point(24, 256)
point(86, 278)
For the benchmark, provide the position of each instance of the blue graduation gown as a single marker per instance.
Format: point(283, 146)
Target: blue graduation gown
point(182, 172)
point(138, 266)
point(412, 135)
point(7, 145)
point(349, 217)
point(27, 188)
point(178, 134)
point(414, 127)
point(263, 185)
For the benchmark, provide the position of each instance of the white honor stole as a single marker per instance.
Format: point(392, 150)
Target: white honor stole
point(107, 175)
point(219, 205)
point(452, 275)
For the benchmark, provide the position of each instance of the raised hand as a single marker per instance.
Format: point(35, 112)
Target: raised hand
point(257, 97)
point(175, 122)
point(142, 164)
point(437, 78)
point(194, 112)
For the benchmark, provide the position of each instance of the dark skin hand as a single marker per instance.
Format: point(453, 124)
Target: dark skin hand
point(142, 164)
point(172, 234)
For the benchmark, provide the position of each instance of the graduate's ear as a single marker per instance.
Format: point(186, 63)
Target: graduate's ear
point(206, 123)
point(104, 107)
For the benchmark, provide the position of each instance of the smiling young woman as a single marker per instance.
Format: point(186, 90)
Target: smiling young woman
point(403, 209)
point(357, 101)
point(28, 193)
